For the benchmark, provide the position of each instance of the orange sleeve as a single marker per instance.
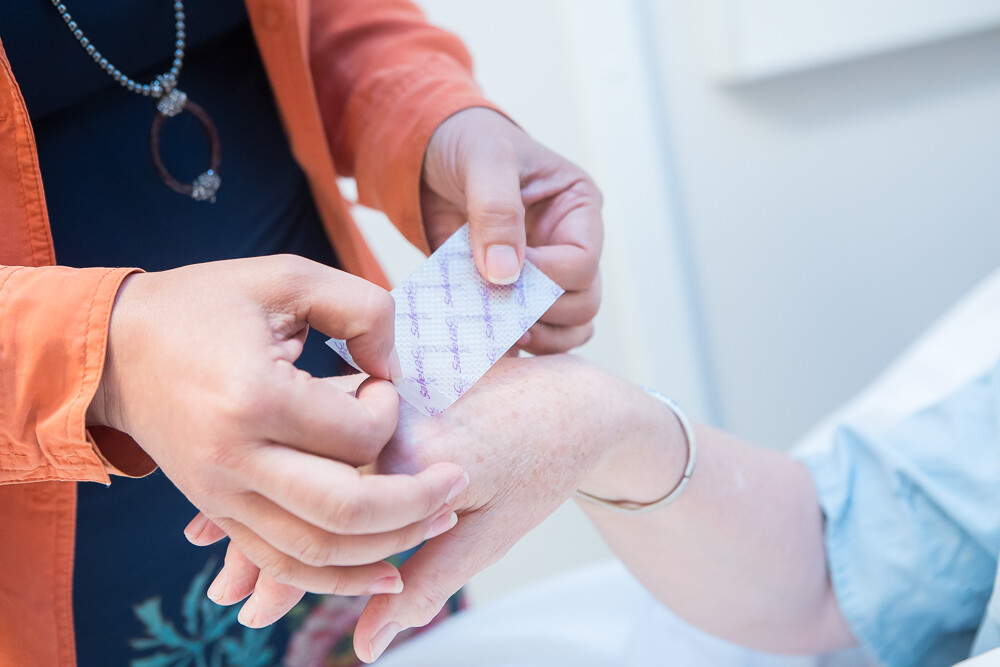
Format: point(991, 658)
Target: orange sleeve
point(52, 347)
point(385, 80)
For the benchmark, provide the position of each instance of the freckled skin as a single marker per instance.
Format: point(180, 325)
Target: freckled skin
point(742, 560)
point(533, 462)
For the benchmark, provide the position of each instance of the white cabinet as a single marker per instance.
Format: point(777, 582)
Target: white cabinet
point(754, 39)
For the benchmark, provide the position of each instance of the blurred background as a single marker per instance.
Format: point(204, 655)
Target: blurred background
point(793, 191)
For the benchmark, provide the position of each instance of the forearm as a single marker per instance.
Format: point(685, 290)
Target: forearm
point(740, 553)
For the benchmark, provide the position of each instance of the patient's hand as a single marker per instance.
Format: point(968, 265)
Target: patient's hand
point(533, 430)
point(528, 434)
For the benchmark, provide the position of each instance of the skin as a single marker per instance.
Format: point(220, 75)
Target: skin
point(269, 454)
point(199, 370)
point(521, 201)
point(739, 554)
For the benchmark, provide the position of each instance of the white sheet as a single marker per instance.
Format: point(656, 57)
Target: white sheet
point(598, 616)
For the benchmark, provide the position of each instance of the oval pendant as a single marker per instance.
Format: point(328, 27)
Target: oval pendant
point(207, 184)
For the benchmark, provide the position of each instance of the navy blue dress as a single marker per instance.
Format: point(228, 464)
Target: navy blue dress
point(139, 587)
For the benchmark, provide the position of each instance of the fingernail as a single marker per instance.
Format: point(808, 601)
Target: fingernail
point(502, 267)
point(395, 368)
point(382, 638)
point(218, 587)
point(249, 612)
point(195, 528)
point(387, 585)
point(441, 523)
point(458, 487)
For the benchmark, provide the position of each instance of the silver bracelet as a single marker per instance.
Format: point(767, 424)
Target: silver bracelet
point(630, 507)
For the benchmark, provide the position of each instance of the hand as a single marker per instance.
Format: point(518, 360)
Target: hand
point(520, 434)
point(481, 168)
point(521, 469)
point(200, 372)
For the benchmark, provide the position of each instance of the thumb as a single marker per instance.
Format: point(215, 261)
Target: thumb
point(431, 576)
point(496, 213)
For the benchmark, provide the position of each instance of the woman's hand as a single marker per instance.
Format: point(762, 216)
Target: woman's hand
point(519, 434)
point(521, 200)
point(747, 527)
point(200, 373)
point(740, 554)
point(522, 435)
point(529, 433)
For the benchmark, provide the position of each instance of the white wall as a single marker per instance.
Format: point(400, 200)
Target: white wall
point(770, 245)
point(833, 213)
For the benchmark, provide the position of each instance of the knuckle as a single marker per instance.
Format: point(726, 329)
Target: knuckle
point(278, 567)
point(595, 193)
point(586, 189)
point(284, 279)
point(287, 266)
point(427, 602)
point(592, 303)
point(497, 212)
point(344, 582)
point(428, 496)
point(346, 512)
point(410, 536)
point(587, 268)
point(377, 312)
point(311, 550)
point(381, 307)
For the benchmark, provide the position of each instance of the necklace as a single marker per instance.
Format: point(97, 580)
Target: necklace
point(171, 102)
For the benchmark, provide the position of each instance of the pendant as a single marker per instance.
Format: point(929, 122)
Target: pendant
point(207, 184)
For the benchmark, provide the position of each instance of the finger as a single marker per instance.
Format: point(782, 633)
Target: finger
point(201, 532)
point(314, 546)
point(337, 498)
point(236, 580)
point(496, 212)
point(378, 577)
point(432, 575)
point(546, 339)
point(575, 308)
point(269, 602)
point(338, 304)
point(572, 267)
point(316, 416)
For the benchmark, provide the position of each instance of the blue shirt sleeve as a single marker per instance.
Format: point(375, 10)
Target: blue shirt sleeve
point(913, 525)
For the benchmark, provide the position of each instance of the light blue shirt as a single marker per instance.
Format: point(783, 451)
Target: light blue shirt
point(913, 528)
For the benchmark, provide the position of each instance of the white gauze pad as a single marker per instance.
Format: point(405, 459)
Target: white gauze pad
point(452, 324)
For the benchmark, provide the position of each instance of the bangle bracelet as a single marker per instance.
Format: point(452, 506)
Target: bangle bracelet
point(630, 507)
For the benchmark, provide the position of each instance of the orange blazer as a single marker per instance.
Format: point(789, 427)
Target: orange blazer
point(361, 85)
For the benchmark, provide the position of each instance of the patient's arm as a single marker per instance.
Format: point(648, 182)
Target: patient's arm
point(740, 553)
